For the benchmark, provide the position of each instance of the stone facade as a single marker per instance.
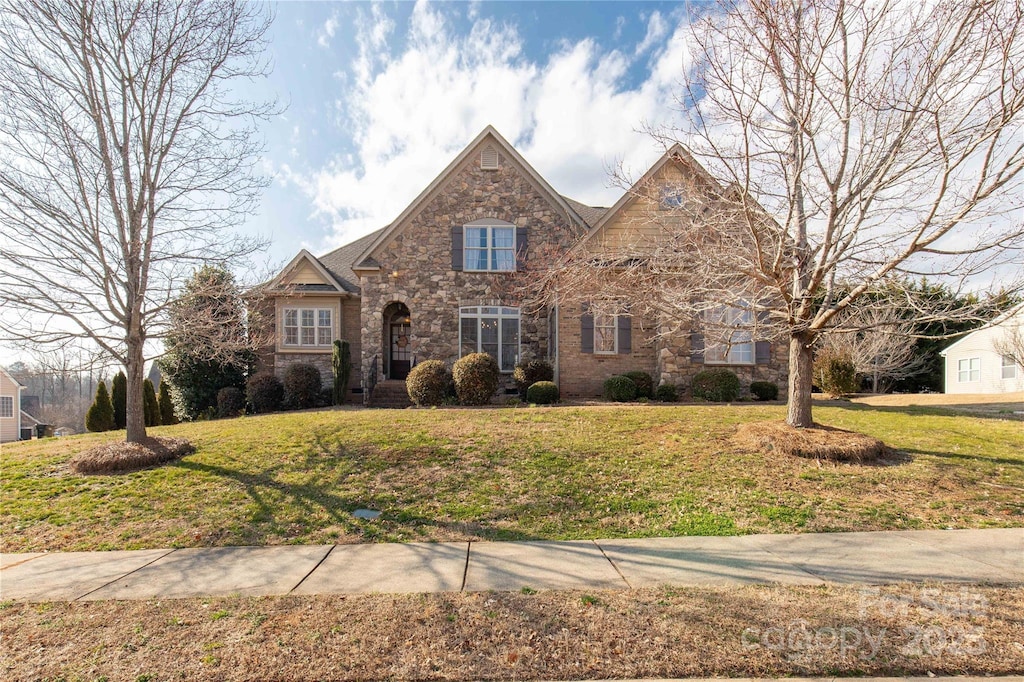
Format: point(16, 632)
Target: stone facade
point(416, 264)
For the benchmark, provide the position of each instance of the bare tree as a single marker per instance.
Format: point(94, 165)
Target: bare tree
point(126, 156)
point(1010, 343)
point(844, 148)
point(880, 342)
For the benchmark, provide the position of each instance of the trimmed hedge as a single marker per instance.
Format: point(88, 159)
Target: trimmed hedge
point(429, 383)
point(264, 393)
point(230, 402)
point(302, 386)
point(764, 390)
point(528, 373)
point(644, 383)
point(716, 385)
point(667, 393)
point(476, 378)
point(619, 388)
point(542, 393)
point(835, 374)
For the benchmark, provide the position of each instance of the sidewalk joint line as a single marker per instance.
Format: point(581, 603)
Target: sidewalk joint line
point(601, 549)
point(322, 559)
point(120, 577)
point(25, 561)
point(465, 569)
point(957, 553)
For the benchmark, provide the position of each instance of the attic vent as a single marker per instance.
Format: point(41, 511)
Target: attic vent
point(489, 158)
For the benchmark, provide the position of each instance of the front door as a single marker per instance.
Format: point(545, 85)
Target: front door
point(400, 355)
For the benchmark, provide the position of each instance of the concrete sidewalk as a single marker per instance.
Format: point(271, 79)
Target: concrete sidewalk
point(977, 556)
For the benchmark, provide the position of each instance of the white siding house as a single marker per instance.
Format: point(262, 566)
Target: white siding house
point(10, 407)
point(977, 363)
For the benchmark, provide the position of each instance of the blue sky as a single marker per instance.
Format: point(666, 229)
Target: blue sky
point(381, 96)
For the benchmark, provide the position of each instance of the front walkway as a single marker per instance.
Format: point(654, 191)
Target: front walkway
point(977, 556)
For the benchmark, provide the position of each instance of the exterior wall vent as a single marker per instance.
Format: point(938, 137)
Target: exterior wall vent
point(489, 158)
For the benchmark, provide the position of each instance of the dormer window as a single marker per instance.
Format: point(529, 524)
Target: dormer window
point(489, 158)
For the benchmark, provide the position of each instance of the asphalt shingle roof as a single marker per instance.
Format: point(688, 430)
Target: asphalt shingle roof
point(340, 261)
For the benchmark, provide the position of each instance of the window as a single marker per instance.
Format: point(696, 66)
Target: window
point(733, 325)
point(490, 247)
point(969, 369)
point(493, 330)
point(606, 338)
point(1009, 367)
point(6, 406)
point(672, 197)
point(308, 326)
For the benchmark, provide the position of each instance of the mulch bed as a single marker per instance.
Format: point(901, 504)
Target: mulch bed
point(123, 456)
point(819, 442)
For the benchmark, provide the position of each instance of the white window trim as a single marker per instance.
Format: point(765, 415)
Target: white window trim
point(298, 310)
point(615, 334)
point(726, 315)
point(970, 371)
point(5, 411)
point(490, 248)
point(1007, 363)
point(476, 313)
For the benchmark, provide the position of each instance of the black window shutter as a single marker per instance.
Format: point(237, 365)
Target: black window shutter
point(762, 352)
point(457, 248)
point(586, 331)
point(521, 248)
point(697, 347)
point(625, 334)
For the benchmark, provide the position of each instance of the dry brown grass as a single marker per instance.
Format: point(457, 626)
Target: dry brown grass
point(121, 456)
point(762, 631)
point(820, 442)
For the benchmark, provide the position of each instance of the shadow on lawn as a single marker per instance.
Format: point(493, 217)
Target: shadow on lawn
point(312, 498)
point(919, 410)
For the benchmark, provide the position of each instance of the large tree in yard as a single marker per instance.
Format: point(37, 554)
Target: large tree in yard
point(126, 157)
point(851, 148)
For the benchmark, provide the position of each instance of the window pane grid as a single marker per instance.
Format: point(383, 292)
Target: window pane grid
point(6, 406)
point(492, 330)
point(489, 248)
point(308, 326)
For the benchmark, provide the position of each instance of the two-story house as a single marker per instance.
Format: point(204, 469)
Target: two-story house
point(446, 279)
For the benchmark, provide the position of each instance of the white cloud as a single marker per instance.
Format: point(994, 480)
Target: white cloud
point(657, 27)
point(327, 31)
point(410, 112)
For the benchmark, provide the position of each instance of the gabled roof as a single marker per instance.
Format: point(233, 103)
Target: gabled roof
point(994, 322)
point(590, 214)
point(674, 153)
point(340, 261)
point(11, 377)
point(333, 284)
point(365, 260)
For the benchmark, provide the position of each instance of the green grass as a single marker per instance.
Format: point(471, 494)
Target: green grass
point(510, 474)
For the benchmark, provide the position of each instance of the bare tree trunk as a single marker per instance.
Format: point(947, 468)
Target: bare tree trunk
point(801, 363)
point(135, 416)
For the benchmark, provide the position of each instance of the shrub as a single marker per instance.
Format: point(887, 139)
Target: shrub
point(264, 392)
point(230, 402)
point(429, 383)
point(716, 385)
point(119, 399)
point(666, 393)
point(151, 410)
point(644, 383)
point(302, 384)
point(764, 390)
point(619, 388)
point(528, 373)
point(163, 399)
point(341, 363)
point(476, 378)
point(835, 373)
point(542, 393)
point(100, 416)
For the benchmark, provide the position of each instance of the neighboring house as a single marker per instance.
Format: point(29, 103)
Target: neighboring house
point(988, 359)
point(444, 280)
point(10, 407)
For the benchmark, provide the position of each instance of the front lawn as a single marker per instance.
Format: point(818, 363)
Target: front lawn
point(511, 474)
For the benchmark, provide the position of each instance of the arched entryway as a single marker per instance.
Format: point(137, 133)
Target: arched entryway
point(397, 341)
